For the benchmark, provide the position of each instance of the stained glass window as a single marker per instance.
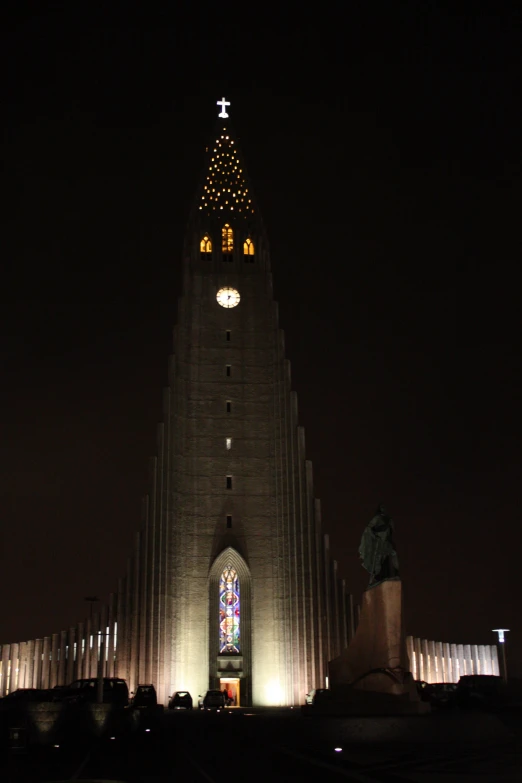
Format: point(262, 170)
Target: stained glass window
point(229, 612)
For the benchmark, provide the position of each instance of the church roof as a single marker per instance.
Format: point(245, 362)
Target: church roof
point(225, 188)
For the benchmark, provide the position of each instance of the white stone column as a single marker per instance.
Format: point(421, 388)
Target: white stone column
point(95, 627)
point(110, 640)
point(425, 660)
point(487, 658)
point(37, 671)
point(494, 660)
point(419, 671)
point(462, 660)
point(15, 667)
point(467, 659)
point(46, 663)
point(22, 674)
point(88, 650)
point(70, 655)
point(62, 660)
point(455, 663)
point(433, 673)
point(475, 659)
point(55, 646)
point(448, 663)
point(439, 658)
point(5, 669)
point(409, 648)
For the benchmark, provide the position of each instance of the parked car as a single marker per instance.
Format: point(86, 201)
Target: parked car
point(315, 695)
point(181, 700)
point(214, 700)
point(115, 691)
point(24, 695)
point(145, 697)
point(439, 694)
point(481, 691)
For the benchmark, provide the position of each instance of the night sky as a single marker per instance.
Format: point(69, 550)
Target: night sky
point(384, 151)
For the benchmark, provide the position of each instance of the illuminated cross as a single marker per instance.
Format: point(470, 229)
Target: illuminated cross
point(223, 103)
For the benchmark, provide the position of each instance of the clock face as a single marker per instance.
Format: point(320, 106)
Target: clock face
point(228, 297)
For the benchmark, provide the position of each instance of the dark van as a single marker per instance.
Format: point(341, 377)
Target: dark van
point(115, 691)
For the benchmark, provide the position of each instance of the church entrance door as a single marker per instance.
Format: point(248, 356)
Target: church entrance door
point(231, 684)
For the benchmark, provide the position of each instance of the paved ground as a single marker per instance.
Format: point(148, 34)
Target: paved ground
point(279, 745)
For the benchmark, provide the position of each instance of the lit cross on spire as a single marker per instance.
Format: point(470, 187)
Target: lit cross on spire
point(223, 112)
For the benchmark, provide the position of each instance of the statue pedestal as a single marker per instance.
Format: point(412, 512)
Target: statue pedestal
point(374, 670)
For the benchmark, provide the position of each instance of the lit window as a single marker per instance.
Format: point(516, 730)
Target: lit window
point(228, 442)
point(205, 245)
point(227, 239)
point(248, 249)
point(229, 610)
point(229, 482)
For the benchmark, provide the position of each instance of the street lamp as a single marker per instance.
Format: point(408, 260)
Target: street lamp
point(502, 642)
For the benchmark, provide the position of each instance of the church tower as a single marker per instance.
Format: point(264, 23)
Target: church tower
point(230, 565)
point(230, 583)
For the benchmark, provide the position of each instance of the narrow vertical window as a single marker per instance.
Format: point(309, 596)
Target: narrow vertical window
point(205, 248)
point(228, 443)
point(229, 482)
point(248, 250)
point(229, 611)
point(228, 370)
point(228, 335)
point(229, 406)
point(229, 520)
point(227, 242)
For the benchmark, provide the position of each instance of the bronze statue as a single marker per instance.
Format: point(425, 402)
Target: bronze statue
point(377, 550)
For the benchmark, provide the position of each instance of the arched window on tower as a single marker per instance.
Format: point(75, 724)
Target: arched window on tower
point(227, 242)
point(248, 250)
point(205, 248)
point(229, 612)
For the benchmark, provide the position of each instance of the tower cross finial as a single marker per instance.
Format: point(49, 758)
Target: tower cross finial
point(223, 103)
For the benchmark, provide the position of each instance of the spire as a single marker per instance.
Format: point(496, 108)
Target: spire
point(225, 190)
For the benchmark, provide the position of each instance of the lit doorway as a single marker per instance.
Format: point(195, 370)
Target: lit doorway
point(232, 686)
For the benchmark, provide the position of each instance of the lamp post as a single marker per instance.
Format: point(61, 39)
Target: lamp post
point(502, 642)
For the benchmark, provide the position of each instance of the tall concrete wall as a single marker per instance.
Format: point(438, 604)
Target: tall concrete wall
point(444, 662)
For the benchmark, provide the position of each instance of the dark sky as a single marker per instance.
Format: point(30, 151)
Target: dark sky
point(384, 149)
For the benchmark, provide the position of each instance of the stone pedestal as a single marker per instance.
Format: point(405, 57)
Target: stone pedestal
point(376, 664)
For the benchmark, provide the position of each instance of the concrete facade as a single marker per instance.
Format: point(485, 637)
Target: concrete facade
point(443, 662)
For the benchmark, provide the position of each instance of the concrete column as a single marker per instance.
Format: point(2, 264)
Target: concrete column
point(475, 659)
point(80, 646)
point(467, 659)
point(487, 658)
point(461, 660)
point(5, 668)
point(46, 662)
point(319, 581)
point(448, 667)
point(55, 647)
point(143, 554)
point(29, 675)
point(135, 635)
point(62, 662)
point(95, 644)
point(103, 639)
point(425, 660)
point(70, 656)
point(409, 649)
point(419, 672)
point(455, 668)
point(335, 594)
point(494, 660)
point(439, 659)
point(22, 674)
point(119, 664)
point(88, 651)
point(110, 640)
point(15, 667)
point(37, 671)
point(433, 671)
point(326, 572)
point(344, 626)
point(482, 659)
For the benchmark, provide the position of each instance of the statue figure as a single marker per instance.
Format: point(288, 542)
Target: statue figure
point(377, 550)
